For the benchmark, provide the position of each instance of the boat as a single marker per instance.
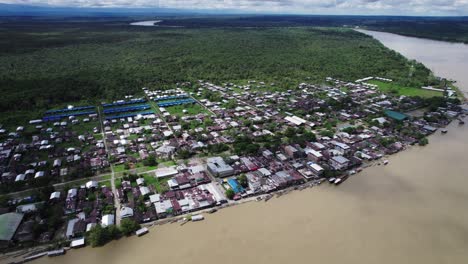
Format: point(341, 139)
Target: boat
point(196, 218)
point(142, 231)
point(461, 122)
point(385, 162)
point(54, 253)
point(268, 197)
point(332, 179)
point(212, 210)
point(341, 180)
point(444, 131)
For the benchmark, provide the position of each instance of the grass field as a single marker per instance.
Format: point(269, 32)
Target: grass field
point(397, 89)
point(192, 109)
point(159, 184)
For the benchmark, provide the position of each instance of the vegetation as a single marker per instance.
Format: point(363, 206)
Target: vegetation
point(243, 181)
point(423, 141)
point(48, 64)
point(99, 235)
point(396, 89)
point(128, 226)
point(230, 194)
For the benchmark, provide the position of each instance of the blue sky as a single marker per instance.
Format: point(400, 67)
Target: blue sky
point(358, 7)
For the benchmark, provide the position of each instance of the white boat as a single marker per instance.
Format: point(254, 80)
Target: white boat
point(385, 162)
point(142, 231)
point(196, 218)
point(337, 181)
point(332, 179)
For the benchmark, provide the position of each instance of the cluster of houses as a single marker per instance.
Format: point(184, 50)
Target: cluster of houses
point(42, 153)
point(318, 132)
point(168, 192)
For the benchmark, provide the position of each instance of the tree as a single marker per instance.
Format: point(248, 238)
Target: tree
point(97, 236)
point(128, 226)
point(150, 161)
point(230, 194)
point(242, 179)
point(113, 232)
point(423, 141)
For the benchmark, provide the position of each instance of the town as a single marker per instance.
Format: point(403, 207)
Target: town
point(82, 171)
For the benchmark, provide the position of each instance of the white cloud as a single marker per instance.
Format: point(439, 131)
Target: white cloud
point(370, 7)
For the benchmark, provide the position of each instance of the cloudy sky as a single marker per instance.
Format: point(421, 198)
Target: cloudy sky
point(369, 7)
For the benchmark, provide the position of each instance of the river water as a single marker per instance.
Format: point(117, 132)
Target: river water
point(414, 210)
point(446, 59)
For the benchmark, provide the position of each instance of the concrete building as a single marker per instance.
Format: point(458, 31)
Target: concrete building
point(339, 162)
point(218, 167)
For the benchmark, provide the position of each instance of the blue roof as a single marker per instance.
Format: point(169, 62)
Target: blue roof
point(396, 115)
point(126, 109)
point(178, 102)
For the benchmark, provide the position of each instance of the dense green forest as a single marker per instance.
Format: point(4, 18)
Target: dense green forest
point(43, 64)
point(454, 29)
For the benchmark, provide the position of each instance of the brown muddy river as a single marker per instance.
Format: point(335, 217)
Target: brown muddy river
point(414, 210)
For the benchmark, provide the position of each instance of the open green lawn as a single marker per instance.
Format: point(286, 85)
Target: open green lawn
point(160, 184)
point(192, 109)
point(397, 89)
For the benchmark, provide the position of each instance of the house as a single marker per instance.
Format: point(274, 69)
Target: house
point(339, 162)
point(166, 150)
point(341, 147)
point(20, 177)
point(107, 220)
point(91, 184)
point(313, 155)
point(140, 181)
point(39, 174)
point(315, 168)
point(55, 196)
point(292, 152)
point(163, 208)
point(9, 223)
point(144, 190)
point(218, 167)
point(126, 212)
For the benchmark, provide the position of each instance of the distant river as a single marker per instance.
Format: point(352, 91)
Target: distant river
point(445, 59)
point(412, 211)
point(150, 23)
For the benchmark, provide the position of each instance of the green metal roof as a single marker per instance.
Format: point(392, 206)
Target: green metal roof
point(8, 224)
point(396, 115)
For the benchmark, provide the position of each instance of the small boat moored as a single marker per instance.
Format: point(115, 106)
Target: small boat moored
point(444, 131)
point(54, 253)
point(142, 231)
point(196, 218)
